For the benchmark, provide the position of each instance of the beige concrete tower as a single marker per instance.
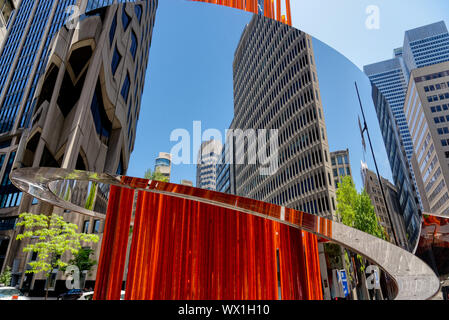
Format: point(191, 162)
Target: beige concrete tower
point(163, 164)
point(427, 111)
point(276, 87)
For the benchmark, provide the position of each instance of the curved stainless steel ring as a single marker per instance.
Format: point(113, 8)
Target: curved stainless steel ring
point(415, 279)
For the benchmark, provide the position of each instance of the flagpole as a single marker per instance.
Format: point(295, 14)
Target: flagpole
point(365, 128)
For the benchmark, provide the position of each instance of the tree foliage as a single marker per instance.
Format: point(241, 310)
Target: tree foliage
point(5, 277)
point(83, 261)
point(356, 210)
point(155, 175)
point(54, 237)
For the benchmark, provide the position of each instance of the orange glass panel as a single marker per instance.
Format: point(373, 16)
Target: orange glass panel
point(270, 9)
point(185, 249)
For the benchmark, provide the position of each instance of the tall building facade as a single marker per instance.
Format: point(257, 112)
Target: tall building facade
point(206, 169)
point(422, 46)
point(276, 87)
point(70, 97)
point(341, 166)
point(425, 46)
point(163, 164)
point(427, 111)
point(372, 188)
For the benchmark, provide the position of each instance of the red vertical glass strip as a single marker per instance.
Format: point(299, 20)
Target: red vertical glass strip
point(183, 249)
point(114, 244)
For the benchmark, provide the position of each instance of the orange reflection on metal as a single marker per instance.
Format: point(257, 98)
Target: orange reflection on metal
point(433, 245)
point(270, 9)
point(186, 249)
point(113, 249)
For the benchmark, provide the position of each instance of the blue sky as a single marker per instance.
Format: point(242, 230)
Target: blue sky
point(189, 76)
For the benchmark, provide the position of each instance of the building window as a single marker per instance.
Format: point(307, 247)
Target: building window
point(138, 11)
point(7, 224)
point(120, 170)
point(112, 31)
point(340, 160)
point(125, 88)
point(96, 228)
point(101, 120)
point(86, 226)
point(115, 61)
point(133, 48)
point(125, 18)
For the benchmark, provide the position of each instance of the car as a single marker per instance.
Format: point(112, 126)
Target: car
point(11, 293)
point(72, 294)
point(90, 294)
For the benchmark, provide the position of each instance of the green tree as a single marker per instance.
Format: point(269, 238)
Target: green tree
point(355, 209)
point(83, 261)
point(156, 175)
point(5, 277)
point(53, 238)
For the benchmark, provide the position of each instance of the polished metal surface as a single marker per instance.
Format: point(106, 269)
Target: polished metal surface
point(415, 279)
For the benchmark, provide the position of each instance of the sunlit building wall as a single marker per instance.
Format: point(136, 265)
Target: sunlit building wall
point(427, 111)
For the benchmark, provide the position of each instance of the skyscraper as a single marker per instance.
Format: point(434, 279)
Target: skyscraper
point(426, 45)
point(422, 46)
point(427, 111)
point(206, 169)
point(163, 164)
point(70, 97)
point(276, 87)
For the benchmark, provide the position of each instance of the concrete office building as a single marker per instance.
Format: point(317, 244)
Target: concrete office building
point(427, 111)
point(341, 166)
point(206, 169)
point(163, 164)
point(372, 188)
point(70, 98)
point(276, 87)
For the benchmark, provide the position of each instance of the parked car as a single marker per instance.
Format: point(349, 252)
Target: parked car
point(11, 293)
point(73, 294)
point(90, 294)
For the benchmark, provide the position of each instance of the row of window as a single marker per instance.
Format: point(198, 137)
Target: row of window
point(340, 160)
point(440, 97)
point(444, 107)
point(441, 119)
point(95, 227)
point(438, 86)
